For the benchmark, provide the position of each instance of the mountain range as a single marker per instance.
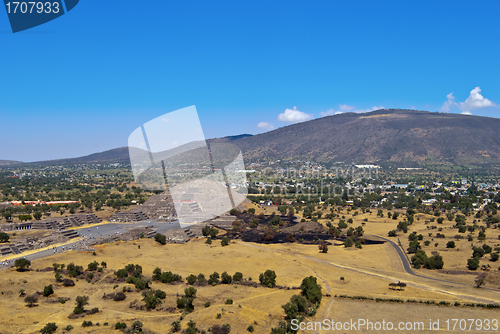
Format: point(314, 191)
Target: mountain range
point(392, 135)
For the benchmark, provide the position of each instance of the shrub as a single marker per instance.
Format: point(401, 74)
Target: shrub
point(120, 325)
point(494, 257)
point(22, 264)
point(207, 304)
point(169, 277)
point(119, 296)
point(487, 248)
point(48, 290)
point(291, 310)
point(450, 244)
point(238, 277)
point(49, 328)
point(477, 252)
point(176, 326)
point(68, 328)
point(218, 329)
point(191, 279)
point(93, 266)
point(228, 302)
point(181, 303)
point(224, 241)
point(201, 279)
point(250, 329)
point(81, 301)
point(473, 263)
point(323, 246)
point(160, 238)
point(31, 300)
point(137, 326)
point(209, 241)
point(151, 301)
point(226, 278)
point(214, 278)
point(87, 323)
point(254, 223)
point(190, 292)
point(4, 237)
point(68, 282)
point(311, 289)
point(348, 242)
point(268, 278)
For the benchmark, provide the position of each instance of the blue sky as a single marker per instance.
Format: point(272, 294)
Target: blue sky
point(83, 82)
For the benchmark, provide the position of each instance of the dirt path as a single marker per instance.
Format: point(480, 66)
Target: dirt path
point(455, 290)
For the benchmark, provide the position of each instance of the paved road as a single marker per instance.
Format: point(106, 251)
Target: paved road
point(408, 268)
point(96, 233)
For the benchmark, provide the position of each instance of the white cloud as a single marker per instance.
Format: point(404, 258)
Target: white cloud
point(368, 110)
point(345, 108)
point(330, 112)
point(449, 103)
point(474, 101)
point(265, 126)
point(294, 116)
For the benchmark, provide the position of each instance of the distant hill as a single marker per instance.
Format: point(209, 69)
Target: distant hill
point(229, 138)
point(395, 135)
point(117, 155)
point(389, 135)
point(9, 162)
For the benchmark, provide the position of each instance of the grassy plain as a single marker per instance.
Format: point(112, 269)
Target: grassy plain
point(365, 272)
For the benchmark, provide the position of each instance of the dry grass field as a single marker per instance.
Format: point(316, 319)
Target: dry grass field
point(366, 272)
point(342, 271)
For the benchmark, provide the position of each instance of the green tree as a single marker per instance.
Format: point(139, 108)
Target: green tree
point(22, 264)
point(473, 263)
point(31, 300)
point(190, 292)
point(238, 277)
point(291, 310)
point(48, 290)
point(214, 278)
point(4, 237)
point(226, 278)
point(160, 238)
point(311, 290)
point(137, 326)
point(224, 241)
point(80, 301)
point(268, 278)
point(191, 279)
point(323, 246)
